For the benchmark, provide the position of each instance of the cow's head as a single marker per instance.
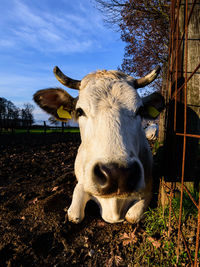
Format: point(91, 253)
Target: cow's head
point(114, 159)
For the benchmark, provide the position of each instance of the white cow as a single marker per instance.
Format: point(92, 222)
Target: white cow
point(114, 162)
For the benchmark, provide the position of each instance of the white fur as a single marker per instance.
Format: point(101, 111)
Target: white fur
point(151, 132)
point(110, 132)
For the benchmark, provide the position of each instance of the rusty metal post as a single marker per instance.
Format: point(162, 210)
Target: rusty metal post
point(196, 260)
point(184, 61)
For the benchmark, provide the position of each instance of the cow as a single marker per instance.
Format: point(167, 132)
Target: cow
point(114, 162)
point(151, 132)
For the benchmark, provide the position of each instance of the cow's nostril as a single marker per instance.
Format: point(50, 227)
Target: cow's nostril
point(112, 177)
point(100, 174)
point(134, 175)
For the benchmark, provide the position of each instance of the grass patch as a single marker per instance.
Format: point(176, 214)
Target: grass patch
point(41, 130)
point(155, 222)
point(155, 248)
point(188, 207)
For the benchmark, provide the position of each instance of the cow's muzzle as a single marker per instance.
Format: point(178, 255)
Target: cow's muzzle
point(112, 178)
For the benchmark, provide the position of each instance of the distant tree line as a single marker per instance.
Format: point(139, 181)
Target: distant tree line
point(13, 117)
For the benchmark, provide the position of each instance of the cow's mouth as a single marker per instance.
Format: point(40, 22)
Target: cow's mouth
point(114, 209)
point(117, 194)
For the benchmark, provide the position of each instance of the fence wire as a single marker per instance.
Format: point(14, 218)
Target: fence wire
point(182, 120)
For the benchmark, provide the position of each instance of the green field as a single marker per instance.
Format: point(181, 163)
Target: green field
point(41, 130)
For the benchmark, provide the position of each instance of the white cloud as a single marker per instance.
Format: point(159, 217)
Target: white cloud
point(20, 88)
point(50, 31)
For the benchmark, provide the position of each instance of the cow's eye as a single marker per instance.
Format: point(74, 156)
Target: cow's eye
point(79, 112)
point(139, 111)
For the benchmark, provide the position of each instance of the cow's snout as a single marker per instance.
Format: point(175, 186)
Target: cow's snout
point(113, 178)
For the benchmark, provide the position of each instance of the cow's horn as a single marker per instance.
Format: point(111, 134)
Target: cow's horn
point(62, 78)
point(148, 78)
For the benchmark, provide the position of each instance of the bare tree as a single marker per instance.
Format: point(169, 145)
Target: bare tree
point(8, 111)
point(52, 120)
point(2, 107)
point(144, 27)
point(27, 115)
point(9, 114)
point(111, 10)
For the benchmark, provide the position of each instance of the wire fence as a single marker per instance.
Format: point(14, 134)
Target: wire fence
point(17, 126)
point(182, 126)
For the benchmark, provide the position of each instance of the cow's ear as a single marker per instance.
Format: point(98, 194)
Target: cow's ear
point(152, 106)
point(56, 102)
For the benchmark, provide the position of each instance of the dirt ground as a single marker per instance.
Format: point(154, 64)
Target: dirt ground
point(36, 185)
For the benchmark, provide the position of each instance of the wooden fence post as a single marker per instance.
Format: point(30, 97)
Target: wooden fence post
point(62, 127)
point(45, 127)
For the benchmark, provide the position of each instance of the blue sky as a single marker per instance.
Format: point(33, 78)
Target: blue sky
point(37, 35)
